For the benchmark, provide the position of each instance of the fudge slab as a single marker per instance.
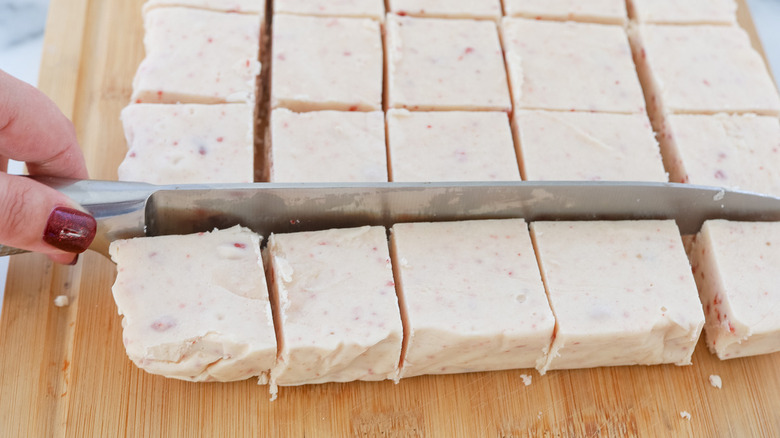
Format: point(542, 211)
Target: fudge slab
point(374, 9)
point(474, 299)
point(451, 146)
point(622, 293)
point(736, 268)
point(198, 56)
point(337, 317)
point(239, 6)
point(444, 64)
point(593, 11)
point(188, 143)
point(558, 146)
point(196, 306)
point(326, 63)
point(734, 151)
point(476, 9)
point(328, 146)
point(571, 67)
point(684, 12)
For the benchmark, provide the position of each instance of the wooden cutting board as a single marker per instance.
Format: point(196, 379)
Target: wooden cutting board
point(63, 371)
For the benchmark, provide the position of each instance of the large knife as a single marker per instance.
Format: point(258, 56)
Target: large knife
point(127, 209)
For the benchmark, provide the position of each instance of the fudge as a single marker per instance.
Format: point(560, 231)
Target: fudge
point(328, 146)
point(477, 9)
point(239, 6)
point(557, 146)
point(473, 297)
point(622, 293)
point(684, 12)
point(198, 56)
point(444, 64)
point(450, 146)
point(374, 9)
point(326, 63)
point(195, 307)
point(598, 11)
point(571, 67)
point(188, 143)
point(337, 311)
point(736, 268)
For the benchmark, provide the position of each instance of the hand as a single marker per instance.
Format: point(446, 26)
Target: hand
point(32, 216)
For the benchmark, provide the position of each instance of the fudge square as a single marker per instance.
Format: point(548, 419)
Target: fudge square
point(451, 146)
point(198, 56)
point(684, 12)
point(326, 63)
point(736, 268)
point(196, 306)
point(595, 11)
point(444, 64)
point(374, 9)
point(622, 293)
point(188, 143)
point(735, 151)
point(474, 299)
point(328, 146)
point(240, 6)
point(476, 9)
point(571, 66)
point(338, 309)
point(558, 146)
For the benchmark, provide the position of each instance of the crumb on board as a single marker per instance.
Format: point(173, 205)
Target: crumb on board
point(526, 379)
point(61, 301)
point(716, 381)
point(686, 415)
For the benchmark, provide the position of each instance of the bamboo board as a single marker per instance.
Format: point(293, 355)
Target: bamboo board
point(63, 371)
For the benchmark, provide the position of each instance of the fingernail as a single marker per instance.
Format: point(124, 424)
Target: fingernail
point(75, 260)
point(70, 230)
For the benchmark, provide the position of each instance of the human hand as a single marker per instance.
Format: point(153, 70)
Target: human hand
point(33, 216)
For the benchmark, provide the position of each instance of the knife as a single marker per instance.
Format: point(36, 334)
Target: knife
point(130, 209)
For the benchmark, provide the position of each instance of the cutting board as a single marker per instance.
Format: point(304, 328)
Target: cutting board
point(63, 371)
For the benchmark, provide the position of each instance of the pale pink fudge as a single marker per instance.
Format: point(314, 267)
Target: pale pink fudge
point(736, 268)
point(684, 12)
point(451, 146)
point(734, 151)
point(595, 11)
point(328, 146)
point(196, 307)
point(239, 6)
point(374, 9)
point(198, 56)
point(622, 293)
point(473, 297)
point(326, 63)
point(701, 69)
point(338, 309)
point(477, 9)
point(444, 64)
point(571, 67)
point(557, 146)
point(188, 143)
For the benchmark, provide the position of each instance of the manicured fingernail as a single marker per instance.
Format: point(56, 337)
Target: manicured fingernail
point(70, 230)
point(75, 260)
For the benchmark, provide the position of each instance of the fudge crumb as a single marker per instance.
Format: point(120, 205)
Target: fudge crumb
point(716, 381)
point(686, 415)
point(61, 301)
point(526, 379)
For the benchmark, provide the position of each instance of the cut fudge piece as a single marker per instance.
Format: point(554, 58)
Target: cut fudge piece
point(571, 66)
point(196, 307)
point(734, 151)
point(188, 143)
point(443, 64)
point(594, 11)
point(477, 9)
point(473, 297)
point(337, 317)
point(557, 146)
point(198, 56)
point(328, 146)
point(325, 63)
point(684, 12)
point(622, 293)
point(450, 146)
point(736, 268)
point(701, 69)
point(374, 9)
point(239, 6)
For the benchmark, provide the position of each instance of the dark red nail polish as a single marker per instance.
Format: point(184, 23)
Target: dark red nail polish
point(70, 230)
point(75, 260)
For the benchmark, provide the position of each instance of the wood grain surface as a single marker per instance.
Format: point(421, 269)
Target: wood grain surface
point(64, 372)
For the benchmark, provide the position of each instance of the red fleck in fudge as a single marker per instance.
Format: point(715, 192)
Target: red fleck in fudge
point(196, 307)
point(374, 9)
point(558, 146)
point(337, 316)
point(188, 143)
point(198, 56)
point(594, 11)
point(328, 146)
point(736, 268)
point(476, 9)
point(326, 63)
point(239, 6)
point(684, 12)
point(622, 293)
point(473, 297)
point(571, 67)
point(451, 146)
point(444, 64)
